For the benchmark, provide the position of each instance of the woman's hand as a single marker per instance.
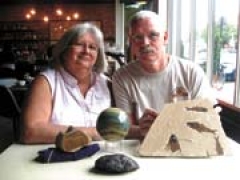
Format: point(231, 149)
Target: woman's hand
point(145, 122)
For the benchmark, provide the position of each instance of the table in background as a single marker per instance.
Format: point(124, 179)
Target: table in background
point(17, 163)
point(8, 82)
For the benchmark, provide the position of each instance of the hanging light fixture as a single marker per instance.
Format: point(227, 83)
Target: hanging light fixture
point(45, 19)
point(75, 15)
point(31, 13)
point(58, 15)
point(59, 12)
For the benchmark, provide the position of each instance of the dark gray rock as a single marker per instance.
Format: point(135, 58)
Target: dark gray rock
point(116, 163)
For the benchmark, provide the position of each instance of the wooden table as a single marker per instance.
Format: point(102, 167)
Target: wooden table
point(16, 163)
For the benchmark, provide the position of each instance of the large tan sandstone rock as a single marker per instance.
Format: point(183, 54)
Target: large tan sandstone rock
point(189, 128)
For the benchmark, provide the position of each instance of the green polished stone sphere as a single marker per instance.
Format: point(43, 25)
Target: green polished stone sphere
point(113, 124)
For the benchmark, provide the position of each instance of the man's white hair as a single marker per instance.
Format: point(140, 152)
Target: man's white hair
point(145, 14)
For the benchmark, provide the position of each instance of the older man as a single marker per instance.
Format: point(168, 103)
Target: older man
point(154, 78)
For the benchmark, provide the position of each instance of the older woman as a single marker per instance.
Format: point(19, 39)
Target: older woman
point(73, 92)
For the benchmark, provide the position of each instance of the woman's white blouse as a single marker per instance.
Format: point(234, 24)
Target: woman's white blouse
point(69, 105)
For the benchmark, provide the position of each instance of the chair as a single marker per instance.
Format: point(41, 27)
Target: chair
point(229, 116)
point(10, 108)
point(6, 72)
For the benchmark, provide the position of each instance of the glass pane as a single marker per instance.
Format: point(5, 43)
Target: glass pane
point(195, 44)
point(225, 34)
point(185, 29)
point(201, 33)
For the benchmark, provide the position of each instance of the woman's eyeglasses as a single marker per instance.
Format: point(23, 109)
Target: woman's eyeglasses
point(84, 46)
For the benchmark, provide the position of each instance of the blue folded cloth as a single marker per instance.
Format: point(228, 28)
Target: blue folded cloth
point(52, 155)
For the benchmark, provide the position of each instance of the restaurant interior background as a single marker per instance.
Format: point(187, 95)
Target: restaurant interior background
point(29, 28)
point(204, 31)
point(33, 26)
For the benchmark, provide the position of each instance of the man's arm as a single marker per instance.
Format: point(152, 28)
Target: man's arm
point(139, 128)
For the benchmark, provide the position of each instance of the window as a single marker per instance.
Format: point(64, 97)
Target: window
point(205, 31)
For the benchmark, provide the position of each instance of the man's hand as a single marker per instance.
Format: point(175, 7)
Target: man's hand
point(146, 121)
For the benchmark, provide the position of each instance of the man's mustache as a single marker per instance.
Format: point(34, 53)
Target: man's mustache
point(146, 49)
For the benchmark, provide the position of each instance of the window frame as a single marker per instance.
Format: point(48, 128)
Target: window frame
point(173, 18)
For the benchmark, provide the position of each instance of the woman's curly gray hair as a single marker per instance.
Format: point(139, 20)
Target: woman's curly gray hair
point(72, 34)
